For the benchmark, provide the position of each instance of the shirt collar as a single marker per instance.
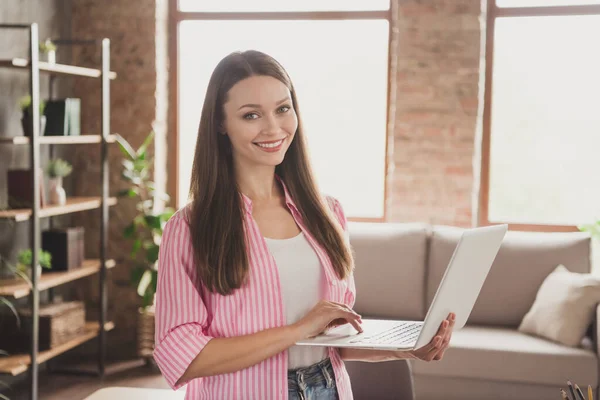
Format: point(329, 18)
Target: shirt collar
point(288, 199)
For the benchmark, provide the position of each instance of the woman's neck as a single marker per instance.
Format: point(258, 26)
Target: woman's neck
point(259, 186)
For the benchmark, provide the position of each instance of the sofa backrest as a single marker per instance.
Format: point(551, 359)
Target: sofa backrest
point(525, 259)
point(390, 269)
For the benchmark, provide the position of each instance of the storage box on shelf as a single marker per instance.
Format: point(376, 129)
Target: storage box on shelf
point(59, 323)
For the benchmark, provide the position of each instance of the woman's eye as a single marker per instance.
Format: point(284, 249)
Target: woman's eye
point(251, 116)
point(284, 109)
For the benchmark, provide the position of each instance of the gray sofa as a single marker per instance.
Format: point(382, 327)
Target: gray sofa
point(398, 269)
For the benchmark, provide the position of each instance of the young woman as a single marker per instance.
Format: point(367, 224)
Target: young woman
point(259, 258)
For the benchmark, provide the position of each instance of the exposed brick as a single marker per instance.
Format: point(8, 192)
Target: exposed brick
point(436, 65)
point(131, 27)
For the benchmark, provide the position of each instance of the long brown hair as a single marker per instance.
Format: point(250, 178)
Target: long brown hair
point(217, 210)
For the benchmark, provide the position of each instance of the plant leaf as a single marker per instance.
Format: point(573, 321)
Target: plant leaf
point(167, 214)
point(136, 274)
point(148, 298)
point(160, 195)
point(153, 221)
point(128, 192)
point(12, 309)
point(128, 164)
point(140, 165)
point(129, 231)
point(142, 149)
point(145, 281)
point(140, 221)
point(125, 147)
point(152, 253)
point(137, 245)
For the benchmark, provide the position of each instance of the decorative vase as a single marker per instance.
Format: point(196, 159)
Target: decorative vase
point(29, 271)
point(51, 56)
point(57, 195)
point(26, 123)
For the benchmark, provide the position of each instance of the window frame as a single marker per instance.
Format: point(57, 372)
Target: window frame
point(494, 12)
point(176, 16)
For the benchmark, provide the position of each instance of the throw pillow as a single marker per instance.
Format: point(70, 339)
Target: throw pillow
point(564, 307)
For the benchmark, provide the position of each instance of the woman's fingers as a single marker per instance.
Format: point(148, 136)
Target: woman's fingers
point(435, 349)
point(345, 307)
point(447, 337)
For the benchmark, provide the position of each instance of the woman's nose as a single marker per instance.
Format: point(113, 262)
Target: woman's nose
point(271, 125)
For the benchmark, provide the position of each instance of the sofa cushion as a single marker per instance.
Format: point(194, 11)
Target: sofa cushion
point(525, 259)
point(502, 354)
point(390, 269)
point(564, 307)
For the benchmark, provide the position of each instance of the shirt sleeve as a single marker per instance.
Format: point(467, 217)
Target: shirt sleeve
point(181, 317)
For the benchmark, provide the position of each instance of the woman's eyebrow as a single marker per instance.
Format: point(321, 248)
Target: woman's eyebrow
point(287, 98)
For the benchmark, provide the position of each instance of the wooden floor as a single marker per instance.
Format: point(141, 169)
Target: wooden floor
point(58, 386)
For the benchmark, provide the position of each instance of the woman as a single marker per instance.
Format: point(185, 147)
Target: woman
point(259, 259)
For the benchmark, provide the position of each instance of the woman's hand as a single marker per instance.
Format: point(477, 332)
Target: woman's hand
point(437, 347)
point(326, 315)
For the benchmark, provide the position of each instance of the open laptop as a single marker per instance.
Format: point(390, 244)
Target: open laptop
point(457, 293)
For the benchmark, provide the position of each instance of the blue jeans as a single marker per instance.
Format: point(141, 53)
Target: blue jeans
point(315, 382)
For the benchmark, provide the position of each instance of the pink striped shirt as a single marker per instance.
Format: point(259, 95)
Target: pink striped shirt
point(188, 316)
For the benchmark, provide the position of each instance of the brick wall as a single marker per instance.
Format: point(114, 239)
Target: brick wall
point(435, 87)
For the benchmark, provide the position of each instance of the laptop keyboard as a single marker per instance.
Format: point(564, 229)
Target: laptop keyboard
point(403, 333)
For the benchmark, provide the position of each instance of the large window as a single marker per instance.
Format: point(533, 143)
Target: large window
point(336, 53)
point(542, 124)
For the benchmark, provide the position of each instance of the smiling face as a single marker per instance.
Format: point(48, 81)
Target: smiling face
point(260, 121)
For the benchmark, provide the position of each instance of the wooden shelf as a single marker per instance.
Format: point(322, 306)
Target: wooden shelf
point(82, 139)
point(57, 69)
point(18, 287)
point(18, 363)
point(74, 204)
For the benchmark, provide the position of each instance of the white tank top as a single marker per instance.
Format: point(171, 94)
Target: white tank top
point(303, 286)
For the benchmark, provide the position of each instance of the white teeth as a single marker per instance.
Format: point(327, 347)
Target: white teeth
point(270, 145)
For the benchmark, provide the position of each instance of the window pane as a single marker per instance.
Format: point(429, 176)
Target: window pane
point(339, 69)
point(545, 136)
point(543, 3)
point(278, 5)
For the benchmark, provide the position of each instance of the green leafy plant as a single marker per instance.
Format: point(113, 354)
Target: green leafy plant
point(24, 259)
point(47, 46)
point(25, 104)
point(146, 228)
point(58, 168)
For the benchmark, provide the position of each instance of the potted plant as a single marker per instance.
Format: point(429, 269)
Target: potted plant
point(24, 262)
point(49, 49)
point(27, 116)
point(57, 169)
point(145, 233)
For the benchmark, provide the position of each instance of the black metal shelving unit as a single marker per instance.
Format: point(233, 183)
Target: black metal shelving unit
point(17, 364)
